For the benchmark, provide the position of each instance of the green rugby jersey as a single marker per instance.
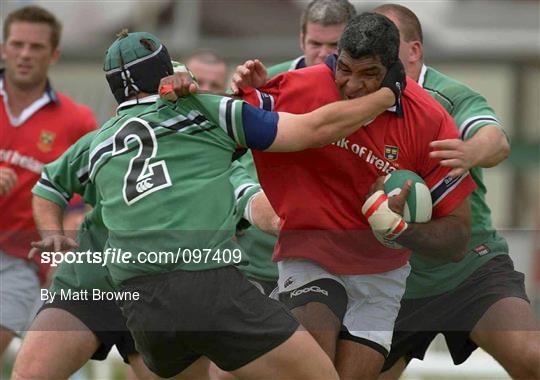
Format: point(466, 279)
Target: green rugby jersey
point(257, 245)
point(59, 180)
point(291, 65)
point(470, 112)
point(163, 175)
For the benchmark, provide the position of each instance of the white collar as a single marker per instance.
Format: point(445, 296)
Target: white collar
point(146, 100)
point(422, 76)
point(28, 111)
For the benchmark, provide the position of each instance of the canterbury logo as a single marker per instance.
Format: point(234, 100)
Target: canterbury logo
point(314, 289)
point(144, 185)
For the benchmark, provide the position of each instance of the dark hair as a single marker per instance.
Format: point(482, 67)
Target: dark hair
point(411, 29)
point(35, 14)
point(371, 35)
point(327, 12)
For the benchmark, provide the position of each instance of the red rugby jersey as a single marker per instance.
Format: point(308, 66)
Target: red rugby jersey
point(319, 193)
point(25, 148)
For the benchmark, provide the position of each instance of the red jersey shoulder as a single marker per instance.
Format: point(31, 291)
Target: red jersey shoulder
point(78, 118)
point(305, 79)
point(303, 90)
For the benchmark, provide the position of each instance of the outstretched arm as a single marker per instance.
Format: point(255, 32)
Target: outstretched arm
point(329, 123)
point(340, 119)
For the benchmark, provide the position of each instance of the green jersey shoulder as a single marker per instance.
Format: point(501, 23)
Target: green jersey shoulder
point(68, 175)
point(286, 66)
point(469, 109)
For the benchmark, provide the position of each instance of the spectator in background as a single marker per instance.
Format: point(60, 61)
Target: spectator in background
point(36, 124)
point(210, 69)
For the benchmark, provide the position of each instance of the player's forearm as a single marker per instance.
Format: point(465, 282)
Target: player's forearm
point(263, 215)
point(329, 123)
point(444, 238)
point(341, 119)
point(48, 216)
point(490, 145)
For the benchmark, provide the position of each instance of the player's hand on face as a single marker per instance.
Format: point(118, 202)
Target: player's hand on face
point(52, 243)
point(8, 179)
point(397, 202)
point(455, 154)
point(177, 85)
point(396, 80)
point(251, 74)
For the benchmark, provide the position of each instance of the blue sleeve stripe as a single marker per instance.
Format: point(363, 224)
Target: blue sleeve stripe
point(266, 101)
point(260, 127)
point(446, 185)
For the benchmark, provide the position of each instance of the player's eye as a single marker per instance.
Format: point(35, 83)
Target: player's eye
point(16, 44)
point(343, 68)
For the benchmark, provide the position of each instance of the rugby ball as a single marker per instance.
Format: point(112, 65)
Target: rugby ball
point(419, 206)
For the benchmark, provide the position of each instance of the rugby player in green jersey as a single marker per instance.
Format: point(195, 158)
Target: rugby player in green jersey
point(163, 177)
point(99, 324)
point(481, 300)
point(72, 326)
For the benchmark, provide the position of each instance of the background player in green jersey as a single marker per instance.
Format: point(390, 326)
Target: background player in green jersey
point(66, 333)
point(321, 24)
point(163, 175)
point(481, 300)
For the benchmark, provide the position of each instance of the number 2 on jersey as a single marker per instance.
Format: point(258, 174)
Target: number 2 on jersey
point(142, 177)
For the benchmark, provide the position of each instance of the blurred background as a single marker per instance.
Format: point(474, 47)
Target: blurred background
point(493, 46)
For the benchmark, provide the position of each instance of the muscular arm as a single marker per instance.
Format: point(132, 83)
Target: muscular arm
point(486, 148)
point(442, 238)
point(48, 216)
point(263, 215)
point(329, 123)
point(491, 146)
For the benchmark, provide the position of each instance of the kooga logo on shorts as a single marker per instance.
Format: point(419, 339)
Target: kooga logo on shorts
point(314, 289)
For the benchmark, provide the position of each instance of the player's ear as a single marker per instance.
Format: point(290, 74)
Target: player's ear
point(302, 44)
point(55, 56)
point(2, 52)
point(416, 51)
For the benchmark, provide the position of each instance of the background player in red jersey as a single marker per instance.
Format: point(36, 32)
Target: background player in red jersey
point(36, 124)
point(325, 278)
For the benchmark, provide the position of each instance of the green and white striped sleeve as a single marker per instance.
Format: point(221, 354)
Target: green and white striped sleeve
point(67, 175)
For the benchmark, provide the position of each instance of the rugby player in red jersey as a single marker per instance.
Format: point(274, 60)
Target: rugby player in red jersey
point(334, 271)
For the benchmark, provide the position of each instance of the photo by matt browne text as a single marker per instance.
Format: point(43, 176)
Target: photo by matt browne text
point(49, 296)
